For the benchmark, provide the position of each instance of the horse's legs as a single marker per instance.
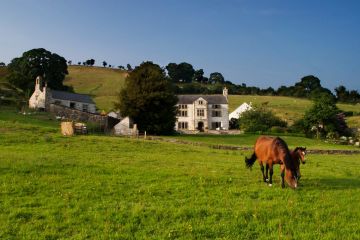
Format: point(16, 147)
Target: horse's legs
point(271, 174)
point(262, 170)
point(282, 175)
point(267, 171)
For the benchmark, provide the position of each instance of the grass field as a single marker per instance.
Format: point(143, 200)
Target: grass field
point(101, 187)
point(289, 109)
point(3, 73)
point(102, 83)
point(248, 140)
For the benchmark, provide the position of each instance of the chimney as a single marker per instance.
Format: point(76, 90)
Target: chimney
point(225, 92)
point(38, 83)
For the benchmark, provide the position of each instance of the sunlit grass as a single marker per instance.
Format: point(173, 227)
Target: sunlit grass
point(108, 187)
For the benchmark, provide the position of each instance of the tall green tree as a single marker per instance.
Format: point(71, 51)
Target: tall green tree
point(199, 76)
point(148, 99)
point(323, 117)
point(216, 77)
point(183, 72)
point(38, 62)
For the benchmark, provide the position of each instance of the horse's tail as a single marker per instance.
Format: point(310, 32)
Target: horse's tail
point(250, 161)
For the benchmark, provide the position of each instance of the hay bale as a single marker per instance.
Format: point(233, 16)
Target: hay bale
point(67, 128)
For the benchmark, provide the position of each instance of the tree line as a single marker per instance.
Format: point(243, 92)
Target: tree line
point(186, 79)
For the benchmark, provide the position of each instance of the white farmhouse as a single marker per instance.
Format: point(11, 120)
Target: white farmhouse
point(238, 111)
point(44, 96)
point(203, 112)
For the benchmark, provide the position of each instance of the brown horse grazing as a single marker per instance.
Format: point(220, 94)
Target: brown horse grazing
point(270, 150)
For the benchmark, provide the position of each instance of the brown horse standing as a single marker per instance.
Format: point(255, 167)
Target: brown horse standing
point(272, 151)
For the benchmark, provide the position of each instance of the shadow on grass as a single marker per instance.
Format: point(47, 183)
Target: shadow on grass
point(330, 183)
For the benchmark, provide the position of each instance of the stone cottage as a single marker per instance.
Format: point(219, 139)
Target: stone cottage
point(44, 96)
point(203, 112)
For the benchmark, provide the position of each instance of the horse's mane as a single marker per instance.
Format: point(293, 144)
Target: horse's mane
point(289, 163)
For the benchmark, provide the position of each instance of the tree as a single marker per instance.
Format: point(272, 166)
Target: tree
point(323, 117)
point(2, 64)
point(38, 62)
point(129, 68)
point(148, 99)
point(79, 63)
point(69, 62)
point(182, 72)
point(92, 62)
point(104, 63)
point(198, 76)
point(121, 67)
point(216, 77)
point(343, 95)
point(259, 119)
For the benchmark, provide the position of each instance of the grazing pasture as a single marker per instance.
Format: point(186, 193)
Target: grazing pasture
point(108, 187)
point(248, 140)
point(102, 83)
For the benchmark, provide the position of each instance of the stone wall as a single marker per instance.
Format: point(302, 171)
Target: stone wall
point(77, 115)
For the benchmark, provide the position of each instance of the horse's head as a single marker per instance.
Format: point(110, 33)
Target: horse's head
point(292, 177)
point(300, 153)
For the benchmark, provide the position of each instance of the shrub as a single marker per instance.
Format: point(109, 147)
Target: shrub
point(259, 119)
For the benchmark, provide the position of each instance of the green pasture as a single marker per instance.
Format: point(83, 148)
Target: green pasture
point(101, 187)
point(248, 140)
point(3, 73)
point(101, 83)
point(288, 108)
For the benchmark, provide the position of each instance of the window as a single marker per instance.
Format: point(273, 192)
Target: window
point(182, 106)
point(182, 125)
point(216, 125)
point(216, 106)
point(216, 114)
point(72, 105)
point(85, 108)
point(200, 112)
point(200, 102)
point(182, 113)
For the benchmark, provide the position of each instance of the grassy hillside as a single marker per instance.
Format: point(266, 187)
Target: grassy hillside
point(3, 73)
point(100, 187)
point(102, 83)
point(287, 108)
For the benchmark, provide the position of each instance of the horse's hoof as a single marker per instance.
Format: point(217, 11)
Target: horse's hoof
point(267, 180)
point(270, 185)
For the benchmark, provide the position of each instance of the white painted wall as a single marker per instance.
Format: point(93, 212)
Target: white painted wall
point(192, 119)
point(124, 127)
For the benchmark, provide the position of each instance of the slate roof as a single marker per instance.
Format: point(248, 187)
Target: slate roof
point(71, 96)
point(211, 99)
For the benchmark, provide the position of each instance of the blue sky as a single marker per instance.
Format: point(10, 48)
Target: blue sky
point(257, 42)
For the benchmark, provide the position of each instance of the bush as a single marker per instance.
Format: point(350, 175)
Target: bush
point(277, 129)
point(260, 119)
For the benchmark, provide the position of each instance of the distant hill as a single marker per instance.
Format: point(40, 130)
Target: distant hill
point(101, 83)
point(3, 73)
point(104, 83)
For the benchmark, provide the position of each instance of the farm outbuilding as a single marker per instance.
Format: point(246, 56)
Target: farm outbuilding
point(238, 111)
